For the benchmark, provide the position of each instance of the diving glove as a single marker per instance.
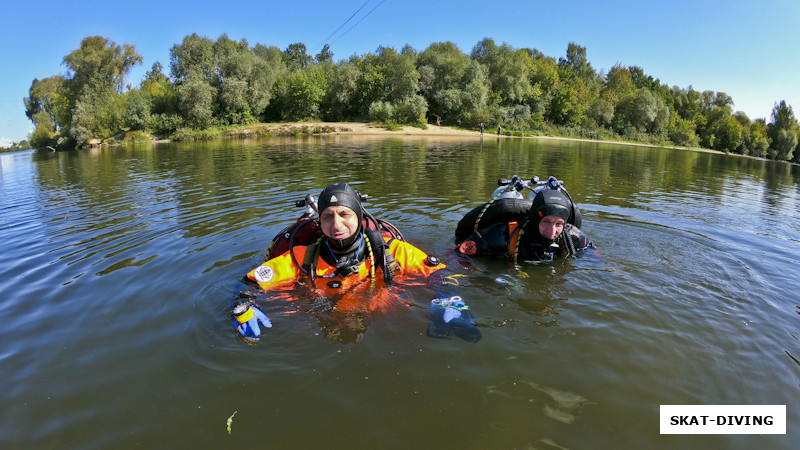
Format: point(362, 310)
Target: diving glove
point(246, 317)
point(451, 316)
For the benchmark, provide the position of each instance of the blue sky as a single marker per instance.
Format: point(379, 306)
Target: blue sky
point(749, 50)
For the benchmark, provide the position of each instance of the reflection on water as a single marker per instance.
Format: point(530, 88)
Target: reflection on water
point(120, 264)
point(558, 405)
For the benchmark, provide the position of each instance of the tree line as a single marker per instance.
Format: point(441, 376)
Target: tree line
point(222, 82)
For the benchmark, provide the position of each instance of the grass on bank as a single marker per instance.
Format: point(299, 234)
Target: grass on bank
point(254, 130)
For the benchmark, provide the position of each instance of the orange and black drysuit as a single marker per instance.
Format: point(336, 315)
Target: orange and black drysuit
point(387, 259)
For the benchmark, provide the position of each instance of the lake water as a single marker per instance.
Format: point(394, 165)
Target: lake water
point(119, 266)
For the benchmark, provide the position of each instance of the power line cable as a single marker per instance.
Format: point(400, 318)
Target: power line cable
point(354, 25)
point(324, 41)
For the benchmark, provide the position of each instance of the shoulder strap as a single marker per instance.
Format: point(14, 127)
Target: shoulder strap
point(310, 260)
point(381, 255)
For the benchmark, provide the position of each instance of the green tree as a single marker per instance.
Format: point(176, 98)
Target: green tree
point(783, 130)
point(47, 107)
point(686, 103)
point(159, 89)
point(381, 111)
point(642, 80)
point(566, 107)
point(602, 112)
point(193, 70)
point(728, 132)
point(299, 94)
point(273, 57)
point(100, 61)
point(759, 139)
point(649, 113)
point(443, 77)
point(714, 107)
point(233, 101)
point(448, 66)
point(297, 56)
point(411, 109)
point(618, 85)
point(371, 82)
point(682, 131)
point(475, 107)
point(545, 81)
point(577, 63)
point(747, 141)
point(508, 71)
point(97, 72)
point(338, 103)
point(136, 115)
point(44, 134)
point(233, 62)
point(398, 72)
point(192, 58)
point(47, 96)
point(784, 144)
point(267, 68)
point(515, 79)
point(196, 100)
point(515, 117)
point(325, 55)
point(782, 117)
point(401, 75)
point(238, 80)
point(579, 88)
point(163, 98)
point(97, 114)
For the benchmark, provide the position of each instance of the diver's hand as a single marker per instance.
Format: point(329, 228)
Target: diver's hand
point(451, 316)
point(246, 318)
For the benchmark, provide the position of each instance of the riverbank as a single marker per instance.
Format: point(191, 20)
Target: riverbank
point(375, 129)
point(367, 129)
point(355, 128)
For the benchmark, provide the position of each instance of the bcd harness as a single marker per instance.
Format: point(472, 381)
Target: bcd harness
point(516, 231)
point(376, 251)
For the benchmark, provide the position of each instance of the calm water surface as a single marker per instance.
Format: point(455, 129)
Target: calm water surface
point(119, 265)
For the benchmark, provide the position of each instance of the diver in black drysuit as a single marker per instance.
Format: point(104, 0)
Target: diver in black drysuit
point(540, 230)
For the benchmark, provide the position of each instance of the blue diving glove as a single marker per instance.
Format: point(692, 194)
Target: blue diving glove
point(246, 317)
point(451, 316)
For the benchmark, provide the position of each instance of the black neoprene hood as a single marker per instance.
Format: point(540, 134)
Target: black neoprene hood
point(340, 194)
point(549, 202)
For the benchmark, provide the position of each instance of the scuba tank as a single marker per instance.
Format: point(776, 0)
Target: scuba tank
point(304, 231)
point(509, 188)
point(508, 204)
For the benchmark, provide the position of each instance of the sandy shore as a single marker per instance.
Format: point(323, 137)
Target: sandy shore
point(369, 130)
point(360, 128)
point(372, 129)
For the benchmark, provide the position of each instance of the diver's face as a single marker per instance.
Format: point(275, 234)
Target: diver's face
point(338, 222)
point(551, 226)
